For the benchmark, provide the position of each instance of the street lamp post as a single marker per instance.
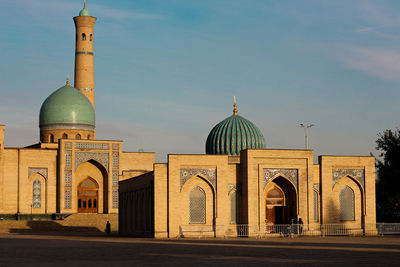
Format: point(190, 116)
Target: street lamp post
point(306, 127)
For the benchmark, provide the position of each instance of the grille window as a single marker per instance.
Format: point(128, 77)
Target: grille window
point(347, 204)
point(197, 206)
point(36, 194)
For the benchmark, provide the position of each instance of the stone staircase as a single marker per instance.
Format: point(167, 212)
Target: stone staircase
point(89, 223)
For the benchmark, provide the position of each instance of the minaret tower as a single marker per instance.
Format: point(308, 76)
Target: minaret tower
point(84, 73)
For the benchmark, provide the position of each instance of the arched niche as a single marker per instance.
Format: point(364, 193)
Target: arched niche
point(99, 175)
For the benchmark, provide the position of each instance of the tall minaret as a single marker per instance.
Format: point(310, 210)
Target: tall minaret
point(84, 74)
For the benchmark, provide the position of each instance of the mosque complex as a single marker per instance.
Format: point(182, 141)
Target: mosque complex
point(237, 181)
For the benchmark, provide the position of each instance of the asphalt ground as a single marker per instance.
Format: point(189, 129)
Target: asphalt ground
point(99, 250)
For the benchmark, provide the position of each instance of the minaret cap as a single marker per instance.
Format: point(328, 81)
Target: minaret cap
point(84, 11)
point(235, 111)
point(67, 78)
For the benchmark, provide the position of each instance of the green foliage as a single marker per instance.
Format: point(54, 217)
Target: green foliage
point(388, 185)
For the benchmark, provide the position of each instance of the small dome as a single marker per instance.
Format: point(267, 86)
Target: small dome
point(67, 108)
point(84, 11)
point(232, 135)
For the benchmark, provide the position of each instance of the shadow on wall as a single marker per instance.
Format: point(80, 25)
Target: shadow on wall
point(335, 226)
point(51, 226)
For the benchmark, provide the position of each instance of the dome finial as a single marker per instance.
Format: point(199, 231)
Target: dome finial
point(235, 111)
point(84, 4)
point(67, 78)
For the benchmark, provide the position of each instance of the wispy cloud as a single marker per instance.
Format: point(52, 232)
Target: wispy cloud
point(384, 63)
point(365, 29)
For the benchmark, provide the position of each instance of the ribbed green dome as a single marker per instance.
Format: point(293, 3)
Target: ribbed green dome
point(67, 108)
point(232, 135)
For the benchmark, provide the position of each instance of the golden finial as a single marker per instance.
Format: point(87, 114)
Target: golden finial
point(234, 106)
point(84, 4)
point(67, 78)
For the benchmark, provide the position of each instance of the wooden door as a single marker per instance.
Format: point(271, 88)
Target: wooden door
point(88, 196)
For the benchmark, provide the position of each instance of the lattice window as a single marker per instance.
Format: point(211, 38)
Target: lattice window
point(115, 199)
point(68, 154)
point(347, 204)
point(67, 204)
point(234, 209)
point(36, 194)
point(68, 174)
point(115, 178)
point(115, 160)
point(115, 146)
point(316, 206)
point(197, 206)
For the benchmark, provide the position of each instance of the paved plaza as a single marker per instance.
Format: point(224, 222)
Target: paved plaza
point(99, 250)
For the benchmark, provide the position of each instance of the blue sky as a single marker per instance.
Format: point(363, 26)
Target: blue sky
point(166, 71)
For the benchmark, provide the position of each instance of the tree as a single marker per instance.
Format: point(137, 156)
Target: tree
point(388, 184)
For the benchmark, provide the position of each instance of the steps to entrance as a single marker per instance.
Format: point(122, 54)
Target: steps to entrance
point(91, 223)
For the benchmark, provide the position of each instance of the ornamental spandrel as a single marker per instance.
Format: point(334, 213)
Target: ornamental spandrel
point(209, 174)
point(33, 170)
point(272, 173)
point(358, 174)
point(81, 157)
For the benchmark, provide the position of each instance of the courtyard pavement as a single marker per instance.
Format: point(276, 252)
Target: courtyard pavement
point(98, 250)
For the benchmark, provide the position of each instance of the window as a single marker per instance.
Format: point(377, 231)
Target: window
point(91, 37)
point(51, 138)
point(78, 136)
point(83, 36)
point(88, 137)
point(234, 204)
point(65, 136)
point(347, 204)
point(36, 194)
point(197, 206)
point(316, 207)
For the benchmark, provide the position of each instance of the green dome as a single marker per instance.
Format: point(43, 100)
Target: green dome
point(232, 135)
point(67, 108)
point(84, 11)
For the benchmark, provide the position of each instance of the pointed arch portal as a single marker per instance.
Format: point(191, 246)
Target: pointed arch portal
point(280, 203)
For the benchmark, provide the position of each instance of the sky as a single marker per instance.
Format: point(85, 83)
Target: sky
point(166, 71)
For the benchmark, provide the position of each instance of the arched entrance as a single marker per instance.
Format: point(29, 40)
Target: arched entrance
point(280, 202)
point(88, 196)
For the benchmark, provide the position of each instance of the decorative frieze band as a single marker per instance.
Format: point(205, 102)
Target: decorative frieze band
point(68, 145)
point(68, 160)
point(115, 178)
point(115, 160)
point(33, 170)
point(83, 145)
point(291, 174)
point(209, 174)
point(86, 89)
point(115, 199)
point(115, 146)
point(358, 174)
point(81, 157)
point(68, 178)
point(83, 53)
point(67, 201)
